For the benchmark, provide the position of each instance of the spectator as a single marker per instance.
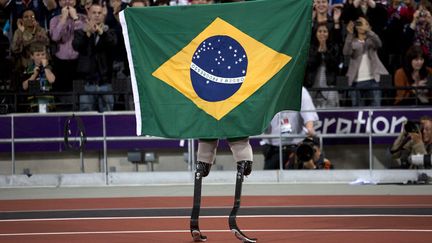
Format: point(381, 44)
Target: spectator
point(94, 44)
point(39, 74)
point(419, 31)
point(40, 8)
point(373, 11)
point(28, 32)
point(426, 129)
point(321, 14)
point(408, 8)
point(376, 14)
point(402, 10)
point(121, 65)
point(289, 123)
point(414, 139)
point(62, 29)
point(400, 14)
point(414, 73)
point(323, 67)
point(117, 6)
point(365, 68)
point(113, 8)
point(84, 6)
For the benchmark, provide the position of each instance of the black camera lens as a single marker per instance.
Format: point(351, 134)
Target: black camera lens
point(411, 126)
point(305, 152)
point(358, 23)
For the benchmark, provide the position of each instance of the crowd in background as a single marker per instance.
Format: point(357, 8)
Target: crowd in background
point(367, 41)
point(355, 44)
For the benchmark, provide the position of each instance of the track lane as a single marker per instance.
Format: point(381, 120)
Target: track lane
point(298, 219)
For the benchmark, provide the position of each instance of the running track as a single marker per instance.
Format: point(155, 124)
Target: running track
point(292, 219)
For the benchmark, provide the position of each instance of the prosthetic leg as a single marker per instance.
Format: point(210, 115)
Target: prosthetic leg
point(206, 156)
point(244, 168)
point(242, 152)
point(202, 170)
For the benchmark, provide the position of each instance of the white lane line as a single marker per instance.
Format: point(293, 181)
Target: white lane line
point(229, 207)
point(211, 231)
point(210, 217)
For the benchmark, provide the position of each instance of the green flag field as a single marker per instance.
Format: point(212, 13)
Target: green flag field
point(217, 70)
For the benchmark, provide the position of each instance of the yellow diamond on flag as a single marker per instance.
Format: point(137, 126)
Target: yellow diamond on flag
point(220, 68)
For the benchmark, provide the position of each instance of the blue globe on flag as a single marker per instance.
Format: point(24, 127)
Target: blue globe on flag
point(218, 68)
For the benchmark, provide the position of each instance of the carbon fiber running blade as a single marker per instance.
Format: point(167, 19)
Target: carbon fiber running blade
point(237, 232)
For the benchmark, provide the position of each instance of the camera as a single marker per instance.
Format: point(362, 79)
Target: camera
point(412, 126)
point(41, 69)
point(422, 13)
point(358, 23)
point(421, 160)
point(305, 150)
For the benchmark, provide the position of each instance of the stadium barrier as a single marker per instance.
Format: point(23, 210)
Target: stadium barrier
point(349, 137)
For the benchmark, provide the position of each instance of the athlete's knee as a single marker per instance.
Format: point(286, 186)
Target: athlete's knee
point(241, 150)
point(207, 150)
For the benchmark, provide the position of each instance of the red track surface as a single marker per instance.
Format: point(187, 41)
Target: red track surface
point(280, 228)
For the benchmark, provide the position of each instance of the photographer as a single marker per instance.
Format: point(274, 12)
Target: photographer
point(292, 123)
point(309, 156)
point(414, 139)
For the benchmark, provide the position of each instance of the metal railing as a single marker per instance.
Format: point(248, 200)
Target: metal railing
point(368, 131)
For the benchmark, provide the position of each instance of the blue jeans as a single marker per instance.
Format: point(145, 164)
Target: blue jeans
point(97, 102)
point(358, 97)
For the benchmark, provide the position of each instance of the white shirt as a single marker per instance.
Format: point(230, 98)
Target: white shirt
point(364, 72)
point(292, 122)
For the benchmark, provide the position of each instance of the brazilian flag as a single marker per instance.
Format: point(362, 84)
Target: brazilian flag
point(218, 70)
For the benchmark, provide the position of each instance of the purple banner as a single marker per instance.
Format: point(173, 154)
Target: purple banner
point(359, 122)
point(377, 122)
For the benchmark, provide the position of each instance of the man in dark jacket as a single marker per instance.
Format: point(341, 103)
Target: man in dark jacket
point(94, 44)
